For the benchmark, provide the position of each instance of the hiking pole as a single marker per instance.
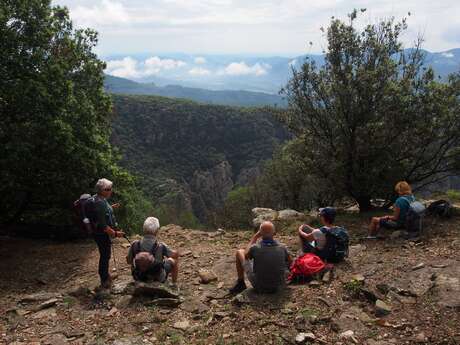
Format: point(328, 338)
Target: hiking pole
point(127, 239)
point(114, 259)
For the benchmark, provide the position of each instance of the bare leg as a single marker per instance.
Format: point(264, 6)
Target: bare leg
point(374, 226)
point(175, 269)
point(239, 263)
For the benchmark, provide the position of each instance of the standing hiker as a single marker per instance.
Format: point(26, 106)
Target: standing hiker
point(104, 225)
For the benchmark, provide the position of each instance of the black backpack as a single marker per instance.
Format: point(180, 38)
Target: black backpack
point(440, 208)
point(84, 209)
point(337, 241)
point(155, 268)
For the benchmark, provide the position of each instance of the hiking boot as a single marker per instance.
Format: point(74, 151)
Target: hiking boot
point(240, 286)
point(107, 284)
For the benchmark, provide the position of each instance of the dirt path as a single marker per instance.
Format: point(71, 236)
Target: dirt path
point(419, 282)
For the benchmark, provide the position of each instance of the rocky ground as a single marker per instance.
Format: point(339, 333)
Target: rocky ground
point(388, 292)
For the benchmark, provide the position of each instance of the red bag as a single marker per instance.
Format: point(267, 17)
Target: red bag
point(305, 266)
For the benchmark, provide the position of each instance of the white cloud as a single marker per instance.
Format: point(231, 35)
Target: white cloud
point(155, 65)
point(448, 55)
point(199, 71)
point(106, 13)
point(241, 68)
point(133, 69)
point(125, 68)
point(199, 60)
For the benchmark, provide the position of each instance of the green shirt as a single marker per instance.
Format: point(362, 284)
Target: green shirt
point(104, 214)
point(403, 203)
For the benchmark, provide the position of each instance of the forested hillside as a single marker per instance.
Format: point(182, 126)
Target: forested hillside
point(223, 97)
point(191, 155)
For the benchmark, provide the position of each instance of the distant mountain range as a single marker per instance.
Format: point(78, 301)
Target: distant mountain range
point(224, 79)
point(118, 85)
point(229, 72)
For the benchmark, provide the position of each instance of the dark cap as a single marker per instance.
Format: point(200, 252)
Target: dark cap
point(328, 213)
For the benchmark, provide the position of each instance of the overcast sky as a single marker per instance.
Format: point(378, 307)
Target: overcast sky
point(255, 27)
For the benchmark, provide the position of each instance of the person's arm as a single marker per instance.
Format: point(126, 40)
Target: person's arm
point(307, 236)
point(129, 257)
point(396, 213)
point(253, 241)
point(169, 253)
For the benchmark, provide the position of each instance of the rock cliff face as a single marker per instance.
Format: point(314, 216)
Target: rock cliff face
point(210, 188)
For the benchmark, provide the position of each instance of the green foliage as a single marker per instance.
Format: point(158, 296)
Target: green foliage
point(373, 114)
point(55, 121)
point(236, 213)
point(166, 141)
point(453, 195)
point(168, 214)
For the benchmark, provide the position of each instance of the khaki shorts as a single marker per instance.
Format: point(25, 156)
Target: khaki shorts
point(249, 270)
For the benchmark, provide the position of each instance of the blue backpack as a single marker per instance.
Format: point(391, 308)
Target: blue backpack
point(337, 241)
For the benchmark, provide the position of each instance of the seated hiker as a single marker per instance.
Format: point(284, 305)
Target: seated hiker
point(329, 242)
point(264, 261)
point(151, 259)
point(398, 219)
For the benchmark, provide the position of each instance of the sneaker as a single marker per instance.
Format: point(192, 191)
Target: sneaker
point(371, 237)
point(240, 286)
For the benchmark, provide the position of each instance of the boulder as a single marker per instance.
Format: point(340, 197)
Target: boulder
point(263, 214)
point(206, 276)
point(289, 215)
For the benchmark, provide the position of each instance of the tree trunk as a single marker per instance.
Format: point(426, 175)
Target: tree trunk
point(364, 203)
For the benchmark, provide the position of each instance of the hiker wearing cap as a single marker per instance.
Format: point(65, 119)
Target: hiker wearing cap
point(329, 242)
point(401, 207)
point(264, 261)
point(151, 259)
point(105, 226)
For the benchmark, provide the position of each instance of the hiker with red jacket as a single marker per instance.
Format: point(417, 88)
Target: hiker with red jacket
point(150, 259)
point(265, 262)
point(329, 242)
point(104, 224)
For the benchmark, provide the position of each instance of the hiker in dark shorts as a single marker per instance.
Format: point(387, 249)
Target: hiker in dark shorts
point(264, 261)
point(314, 240)
point(398, 219)
point(105, 225)
point(157, 258)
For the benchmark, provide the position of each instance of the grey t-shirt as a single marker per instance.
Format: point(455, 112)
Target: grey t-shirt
point(270, 265)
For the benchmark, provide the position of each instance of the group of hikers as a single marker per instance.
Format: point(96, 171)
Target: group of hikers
point(265, 262)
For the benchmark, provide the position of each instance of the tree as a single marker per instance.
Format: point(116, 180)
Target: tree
point(55, 116)
point(373, 114)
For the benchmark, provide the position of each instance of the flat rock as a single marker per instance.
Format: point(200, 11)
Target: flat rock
point(55, 339)
point(182, 325)
point(166, 302)
point(447, 287)
point(415, 283)
point(154, 290)
point(47, 304)
point(40, 297)
point(194, 306)
point(123, 287)
point(356, 249)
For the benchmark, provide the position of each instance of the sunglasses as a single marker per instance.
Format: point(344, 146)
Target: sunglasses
point(108, 190)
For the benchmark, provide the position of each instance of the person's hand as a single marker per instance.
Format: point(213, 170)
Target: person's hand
point(117, 205)
point(120, 234)
point(109, 231)
point(258, 235)
point(301, 227)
